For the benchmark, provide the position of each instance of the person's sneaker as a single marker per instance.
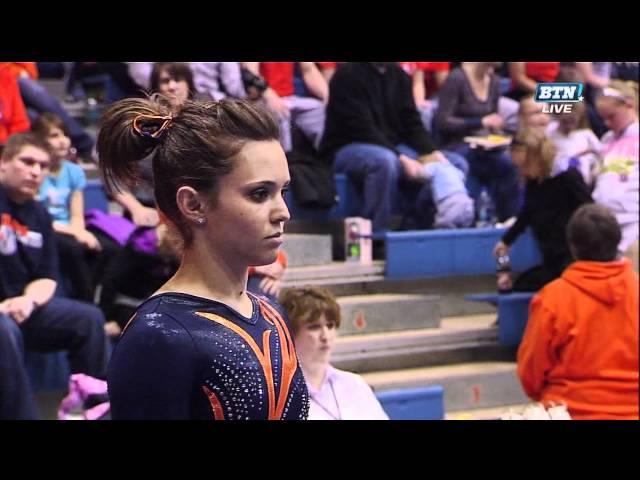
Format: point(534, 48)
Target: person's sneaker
point(507, 223)
point(87, 399)
point(536, 412)
point(559, 412)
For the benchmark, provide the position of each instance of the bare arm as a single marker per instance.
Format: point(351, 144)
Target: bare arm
point(586, 69)
point(76, 210)
point(518, 75)
point(141, 215)
point(41, 290)
point(419, 92)
point(441, 76)
point(35, 294)
point(327, 73)
point(314, 81)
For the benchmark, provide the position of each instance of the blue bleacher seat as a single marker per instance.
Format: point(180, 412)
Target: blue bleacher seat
point(444, 253)
point(419, 403)
point(348, 205)
point(513, 314)
point(95, 197)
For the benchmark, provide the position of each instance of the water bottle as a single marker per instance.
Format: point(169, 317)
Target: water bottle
point(503, 273)
point(484, 210)
point(353, 242)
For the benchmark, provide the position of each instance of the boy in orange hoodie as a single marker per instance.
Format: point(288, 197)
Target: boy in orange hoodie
point(580, 346)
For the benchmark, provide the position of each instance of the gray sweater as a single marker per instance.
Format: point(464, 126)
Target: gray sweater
point(459, 111)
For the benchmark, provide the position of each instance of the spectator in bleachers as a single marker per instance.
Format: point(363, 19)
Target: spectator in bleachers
point(617, 183)
point(580, 346)
point(525, 76)
point(576, 144)
point(469, 107)
point(548, 204)
point(83, 253)
point(30, 316)
point(304, 113)
point(592, 82)
point(38, 100)
point(530, 115)
point(454, 206)
point(13, 114)
point(372, 120)
point(218, 80)
point(335, 394)
point(173, 79)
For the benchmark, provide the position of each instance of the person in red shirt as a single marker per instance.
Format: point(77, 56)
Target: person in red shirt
point(305, 113)
point(38, 100)
point(13, 114)
point(525, 76)
point(580, 346)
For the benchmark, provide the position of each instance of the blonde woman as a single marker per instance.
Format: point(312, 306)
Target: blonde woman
point(548, 205)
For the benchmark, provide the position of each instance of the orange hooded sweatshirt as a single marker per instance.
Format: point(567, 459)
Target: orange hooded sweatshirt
point(581, 342)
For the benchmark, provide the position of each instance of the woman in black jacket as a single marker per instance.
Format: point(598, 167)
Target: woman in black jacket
point(548, 205)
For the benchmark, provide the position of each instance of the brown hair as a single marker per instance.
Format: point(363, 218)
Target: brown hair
point(190, 145)
point(594, 234)
point(177, 71)
point(46, 122)
point(18, 141)
point(305, 305)
point(538, 147)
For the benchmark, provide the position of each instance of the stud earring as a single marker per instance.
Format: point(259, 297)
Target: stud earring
point(201, 220)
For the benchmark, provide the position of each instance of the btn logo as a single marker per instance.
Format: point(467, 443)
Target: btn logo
point(558, 97)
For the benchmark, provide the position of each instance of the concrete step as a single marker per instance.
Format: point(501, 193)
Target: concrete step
point(452, 291)
point(458, 340)
point(363, 314)
point(306, 249)
point(334, 273)
point(466, 386)
point(493, 413)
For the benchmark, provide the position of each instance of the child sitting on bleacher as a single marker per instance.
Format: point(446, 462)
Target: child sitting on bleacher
point(454, 206)
point(83, 253)
point(577, 145)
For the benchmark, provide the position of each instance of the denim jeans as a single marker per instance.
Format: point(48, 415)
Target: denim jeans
point(60, 324)
point(378, 170)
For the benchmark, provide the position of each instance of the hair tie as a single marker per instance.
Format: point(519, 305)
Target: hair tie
point(152, 130)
